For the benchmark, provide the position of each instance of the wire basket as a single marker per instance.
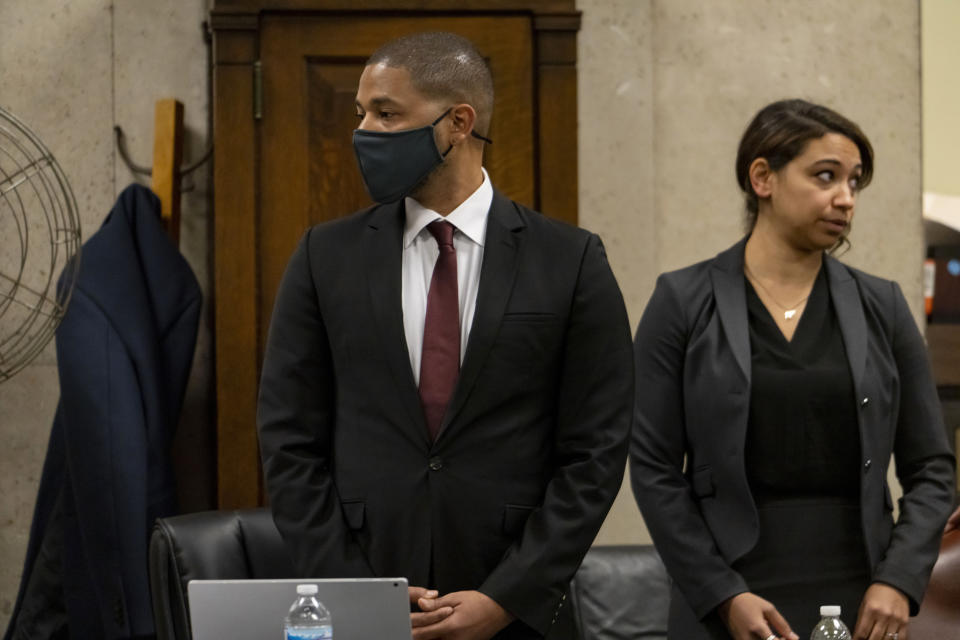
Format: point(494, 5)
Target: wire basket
point(39, 237)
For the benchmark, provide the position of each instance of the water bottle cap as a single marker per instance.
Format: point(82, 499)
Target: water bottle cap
point(306, 589)
point(830, 610)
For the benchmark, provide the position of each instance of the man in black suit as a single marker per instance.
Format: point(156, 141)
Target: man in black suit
point(448, 379)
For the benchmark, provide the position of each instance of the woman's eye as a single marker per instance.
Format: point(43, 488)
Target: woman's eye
point(385, 115)
point(825, 176)
point(360, 115)
point(854, 183)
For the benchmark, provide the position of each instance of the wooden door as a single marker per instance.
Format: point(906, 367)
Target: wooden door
point(284, 81)
point(310, 70)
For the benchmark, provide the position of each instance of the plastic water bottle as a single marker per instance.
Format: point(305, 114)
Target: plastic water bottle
point(830, 627)
point(308, 619)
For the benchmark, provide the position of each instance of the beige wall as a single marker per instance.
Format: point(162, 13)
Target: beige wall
point(71, 71)
point(940, 22)
point(666, 87)
point(941, 96)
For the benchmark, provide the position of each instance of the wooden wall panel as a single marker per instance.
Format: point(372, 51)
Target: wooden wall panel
point(556, 38)
point(235, 271)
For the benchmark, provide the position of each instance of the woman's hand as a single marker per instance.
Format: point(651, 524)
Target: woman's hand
point(883, 614)
point(750, 617)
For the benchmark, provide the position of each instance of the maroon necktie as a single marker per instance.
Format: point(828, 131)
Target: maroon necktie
point(440, 363)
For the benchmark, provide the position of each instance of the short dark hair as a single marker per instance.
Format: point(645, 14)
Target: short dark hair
point(780, 132)
point(443, 66)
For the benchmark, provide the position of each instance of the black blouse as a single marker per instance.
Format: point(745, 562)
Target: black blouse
point(802, 435)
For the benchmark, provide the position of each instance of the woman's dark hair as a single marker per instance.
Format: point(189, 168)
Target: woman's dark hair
point(780, 132)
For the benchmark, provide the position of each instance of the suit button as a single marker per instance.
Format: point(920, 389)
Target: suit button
point(436, 463)
point(864, 402)
point(866, 465)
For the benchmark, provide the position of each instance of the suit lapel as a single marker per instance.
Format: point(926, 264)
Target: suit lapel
point(500, 253)
point(731, 298)
point(853, 324)
point(382, 259)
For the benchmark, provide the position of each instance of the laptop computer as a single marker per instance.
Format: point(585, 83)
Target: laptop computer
point(360, 608)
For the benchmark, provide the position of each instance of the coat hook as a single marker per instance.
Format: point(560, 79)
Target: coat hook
point(146, 171)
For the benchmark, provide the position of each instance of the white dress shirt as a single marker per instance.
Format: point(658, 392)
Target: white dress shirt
point(420, 253)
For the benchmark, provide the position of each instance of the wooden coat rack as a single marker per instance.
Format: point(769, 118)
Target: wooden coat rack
point(167, 156)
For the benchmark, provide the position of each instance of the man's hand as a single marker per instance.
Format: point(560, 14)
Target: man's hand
point(883, 614)
point(475, 616)
point(431, 615)
point(953, 522)
point(749, 617)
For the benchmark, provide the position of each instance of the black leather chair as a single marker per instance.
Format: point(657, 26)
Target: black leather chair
point(223, 545)
point(619, 592)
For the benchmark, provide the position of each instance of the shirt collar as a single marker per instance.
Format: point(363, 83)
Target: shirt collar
point(470, 217)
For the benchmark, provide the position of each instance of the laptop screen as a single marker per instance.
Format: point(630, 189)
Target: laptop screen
point(360, 608)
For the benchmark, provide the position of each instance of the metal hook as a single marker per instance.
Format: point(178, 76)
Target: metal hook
point(146, 171)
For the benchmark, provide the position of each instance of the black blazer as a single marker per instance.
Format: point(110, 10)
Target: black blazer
point(693, 393)
point(533, 447)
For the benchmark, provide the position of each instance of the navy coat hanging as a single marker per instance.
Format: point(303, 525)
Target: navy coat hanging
point(124, 351)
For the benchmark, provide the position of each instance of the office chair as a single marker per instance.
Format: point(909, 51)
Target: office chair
point(222, 545)
point(621, 593)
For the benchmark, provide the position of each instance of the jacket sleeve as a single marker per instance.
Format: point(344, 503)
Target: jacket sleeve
point(295, 417)
point(924, 464)
point(105, 440)
point(657, 450)
point(592, 419)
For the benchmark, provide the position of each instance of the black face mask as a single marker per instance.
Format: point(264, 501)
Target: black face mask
point(394, 163)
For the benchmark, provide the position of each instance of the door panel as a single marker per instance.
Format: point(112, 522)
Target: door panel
point(275, 175)
point(308, 172)
point(335, 185)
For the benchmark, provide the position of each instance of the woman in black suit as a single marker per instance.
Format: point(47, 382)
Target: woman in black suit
point(773, 385)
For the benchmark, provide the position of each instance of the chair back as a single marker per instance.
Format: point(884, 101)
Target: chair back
point(621, 592)
point(209, 545)
point(939, 615)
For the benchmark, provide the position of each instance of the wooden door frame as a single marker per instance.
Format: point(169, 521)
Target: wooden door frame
point(236, 30)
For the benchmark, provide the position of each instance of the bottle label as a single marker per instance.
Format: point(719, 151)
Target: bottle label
point(315, 633)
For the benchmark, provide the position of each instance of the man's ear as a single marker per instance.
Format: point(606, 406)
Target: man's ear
point(761, 177)
point(462, 119)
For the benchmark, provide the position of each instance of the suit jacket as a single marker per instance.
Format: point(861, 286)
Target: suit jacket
point(124, 351)
point(693, 397)
point(532, 448)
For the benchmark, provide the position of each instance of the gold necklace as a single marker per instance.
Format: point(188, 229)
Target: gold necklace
point(789, 313)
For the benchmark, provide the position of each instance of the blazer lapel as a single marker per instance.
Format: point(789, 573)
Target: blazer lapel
point(500, 252)
point(853, 324)
point(382, 260)
point(731, 298)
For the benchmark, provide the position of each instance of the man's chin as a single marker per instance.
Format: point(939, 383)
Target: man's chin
point(426, 184)
point(416, 193)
